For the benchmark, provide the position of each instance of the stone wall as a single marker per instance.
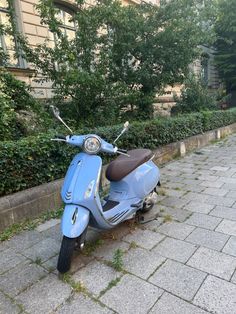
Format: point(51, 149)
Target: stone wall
point(31, 202)
point(163, 109)
point(28, 22)
point(163, 104)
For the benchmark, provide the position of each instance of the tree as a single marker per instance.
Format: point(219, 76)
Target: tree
point(194, 97)
point(120, 56)
point(225, 28)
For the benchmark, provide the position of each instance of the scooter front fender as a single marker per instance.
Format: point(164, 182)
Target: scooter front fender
point(75, 220)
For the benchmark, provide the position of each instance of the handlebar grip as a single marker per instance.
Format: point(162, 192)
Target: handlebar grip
point(61, 137)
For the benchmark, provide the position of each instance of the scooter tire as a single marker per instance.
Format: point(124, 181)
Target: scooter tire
point(146, 210)
point(65, 255)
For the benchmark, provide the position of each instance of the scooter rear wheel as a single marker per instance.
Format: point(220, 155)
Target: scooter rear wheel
point(65, 255)
point(149, 202)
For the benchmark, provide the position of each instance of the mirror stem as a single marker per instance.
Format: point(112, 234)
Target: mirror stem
point(119, 136)
point(60, 119)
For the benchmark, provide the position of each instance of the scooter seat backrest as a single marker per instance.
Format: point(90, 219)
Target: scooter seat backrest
point(123, 165)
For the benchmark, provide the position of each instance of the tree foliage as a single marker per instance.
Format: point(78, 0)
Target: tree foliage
point(120, 56)
point(225, 28)
point(195, 97)
point(7, 117)
point(20, 113)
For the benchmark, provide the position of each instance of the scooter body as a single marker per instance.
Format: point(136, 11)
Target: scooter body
point(131, 188)
point(80, 193)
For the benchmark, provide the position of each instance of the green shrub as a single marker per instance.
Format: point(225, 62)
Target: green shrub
point(35, 160)
point(194, 97)
point(20, 113)
point(217, 119)
point(7, 117)
point(17, 91)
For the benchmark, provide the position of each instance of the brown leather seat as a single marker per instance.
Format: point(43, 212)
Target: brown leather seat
point(123, 165)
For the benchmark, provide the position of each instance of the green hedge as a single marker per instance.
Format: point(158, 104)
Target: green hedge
point(36, 160)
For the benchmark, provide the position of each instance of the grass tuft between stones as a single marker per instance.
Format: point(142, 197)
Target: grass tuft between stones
point(167, 218)
point(76, 286)
point(133, 245)
point(90, 247)
point(38, 261)
point(111, 284)
point(177, 189)
point(117, 262)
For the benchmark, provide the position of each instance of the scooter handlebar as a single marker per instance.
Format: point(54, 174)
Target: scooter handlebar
point(61, 137)
point(77, 140)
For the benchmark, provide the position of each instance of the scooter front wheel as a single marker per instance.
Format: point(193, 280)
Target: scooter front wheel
point(65, 255)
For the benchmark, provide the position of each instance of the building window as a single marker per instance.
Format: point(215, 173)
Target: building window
point(65, 17)
point(7, 42)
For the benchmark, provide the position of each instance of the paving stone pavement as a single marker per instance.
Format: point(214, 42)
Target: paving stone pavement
point(183, 262)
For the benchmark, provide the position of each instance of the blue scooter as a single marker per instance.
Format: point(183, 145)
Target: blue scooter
point(133, 180)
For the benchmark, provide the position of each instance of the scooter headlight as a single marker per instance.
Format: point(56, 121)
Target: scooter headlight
point(92, 144)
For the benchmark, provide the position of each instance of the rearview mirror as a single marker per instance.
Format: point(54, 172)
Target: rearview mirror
point(126, 125)
point(55, 111)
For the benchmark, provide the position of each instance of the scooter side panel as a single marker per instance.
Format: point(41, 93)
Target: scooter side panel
point(138, 184)
point(147, 177)
point(74, 221)
point(82, 179)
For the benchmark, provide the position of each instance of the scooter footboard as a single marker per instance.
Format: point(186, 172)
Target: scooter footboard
point(74, 221)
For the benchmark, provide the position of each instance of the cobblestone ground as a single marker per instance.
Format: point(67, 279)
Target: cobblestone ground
point(182, 262)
